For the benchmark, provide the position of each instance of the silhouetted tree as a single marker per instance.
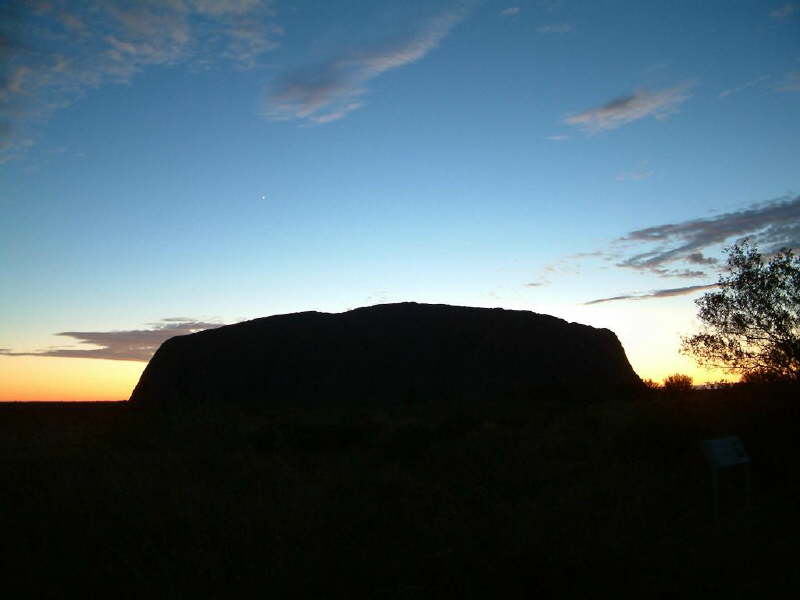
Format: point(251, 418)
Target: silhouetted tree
point(751, 323)
point(759, 377)
point(678, 383)
point(650, 384)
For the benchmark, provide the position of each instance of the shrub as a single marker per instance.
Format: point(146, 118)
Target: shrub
point(759, 377)
point(678, 382)
point(651, 385)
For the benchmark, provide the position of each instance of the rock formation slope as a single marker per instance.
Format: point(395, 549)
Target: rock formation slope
point(380, 355)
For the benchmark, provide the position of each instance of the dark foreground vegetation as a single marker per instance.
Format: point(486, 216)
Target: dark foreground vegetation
point(502, 500)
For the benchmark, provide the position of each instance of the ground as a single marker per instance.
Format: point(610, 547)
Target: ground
point(542, 496)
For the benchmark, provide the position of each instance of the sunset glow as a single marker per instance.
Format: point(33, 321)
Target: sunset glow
point(34, 379)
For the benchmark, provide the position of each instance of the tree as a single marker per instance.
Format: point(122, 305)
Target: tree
point(751, 322)
point(651, 385)
point(678, 383)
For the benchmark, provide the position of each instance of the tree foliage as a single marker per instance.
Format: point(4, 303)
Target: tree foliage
point(650, 384)
point(678, 382)
point(751, 322)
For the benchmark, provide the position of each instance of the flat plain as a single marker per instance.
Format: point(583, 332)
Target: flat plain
point(547, 496)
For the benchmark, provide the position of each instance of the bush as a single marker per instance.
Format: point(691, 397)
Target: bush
point(651, 385)
point(759, 377)
point(678, 382)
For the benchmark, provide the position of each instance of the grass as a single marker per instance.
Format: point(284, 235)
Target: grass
point(505, 499)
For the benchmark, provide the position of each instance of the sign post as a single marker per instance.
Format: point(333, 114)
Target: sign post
point(720, 454)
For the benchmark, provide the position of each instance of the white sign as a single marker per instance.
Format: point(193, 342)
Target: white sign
point(725, 452)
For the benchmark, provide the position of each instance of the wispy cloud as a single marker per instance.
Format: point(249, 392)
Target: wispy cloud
point(627, 109)
point(665, 293)
point(782, 12)
point(790, 82)
point(379, 297)
point(510, 11)
point(137, 344)
point(331, 90)
point(697, 258)
point(557, 138)
point(56, 51)
point(643, 172)
point(555, 28)
point(659, 66)
point(749, 84)
point(565, 266)
point(772, 225)
point(680, 250)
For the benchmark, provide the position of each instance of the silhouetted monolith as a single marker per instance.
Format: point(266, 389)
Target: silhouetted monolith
point(383, 355)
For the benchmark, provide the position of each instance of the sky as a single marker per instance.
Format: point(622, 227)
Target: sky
point(169, 166)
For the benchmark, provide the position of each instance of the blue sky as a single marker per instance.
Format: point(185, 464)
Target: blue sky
point(212, 161)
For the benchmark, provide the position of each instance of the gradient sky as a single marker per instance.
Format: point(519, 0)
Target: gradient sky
point(172, 165)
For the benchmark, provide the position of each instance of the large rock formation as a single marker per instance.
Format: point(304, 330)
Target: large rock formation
point(383, 354)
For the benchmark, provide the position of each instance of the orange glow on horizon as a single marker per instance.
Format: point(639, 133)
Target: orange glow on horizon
point(45, 379)
point(699, 376)
point(652, 363)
